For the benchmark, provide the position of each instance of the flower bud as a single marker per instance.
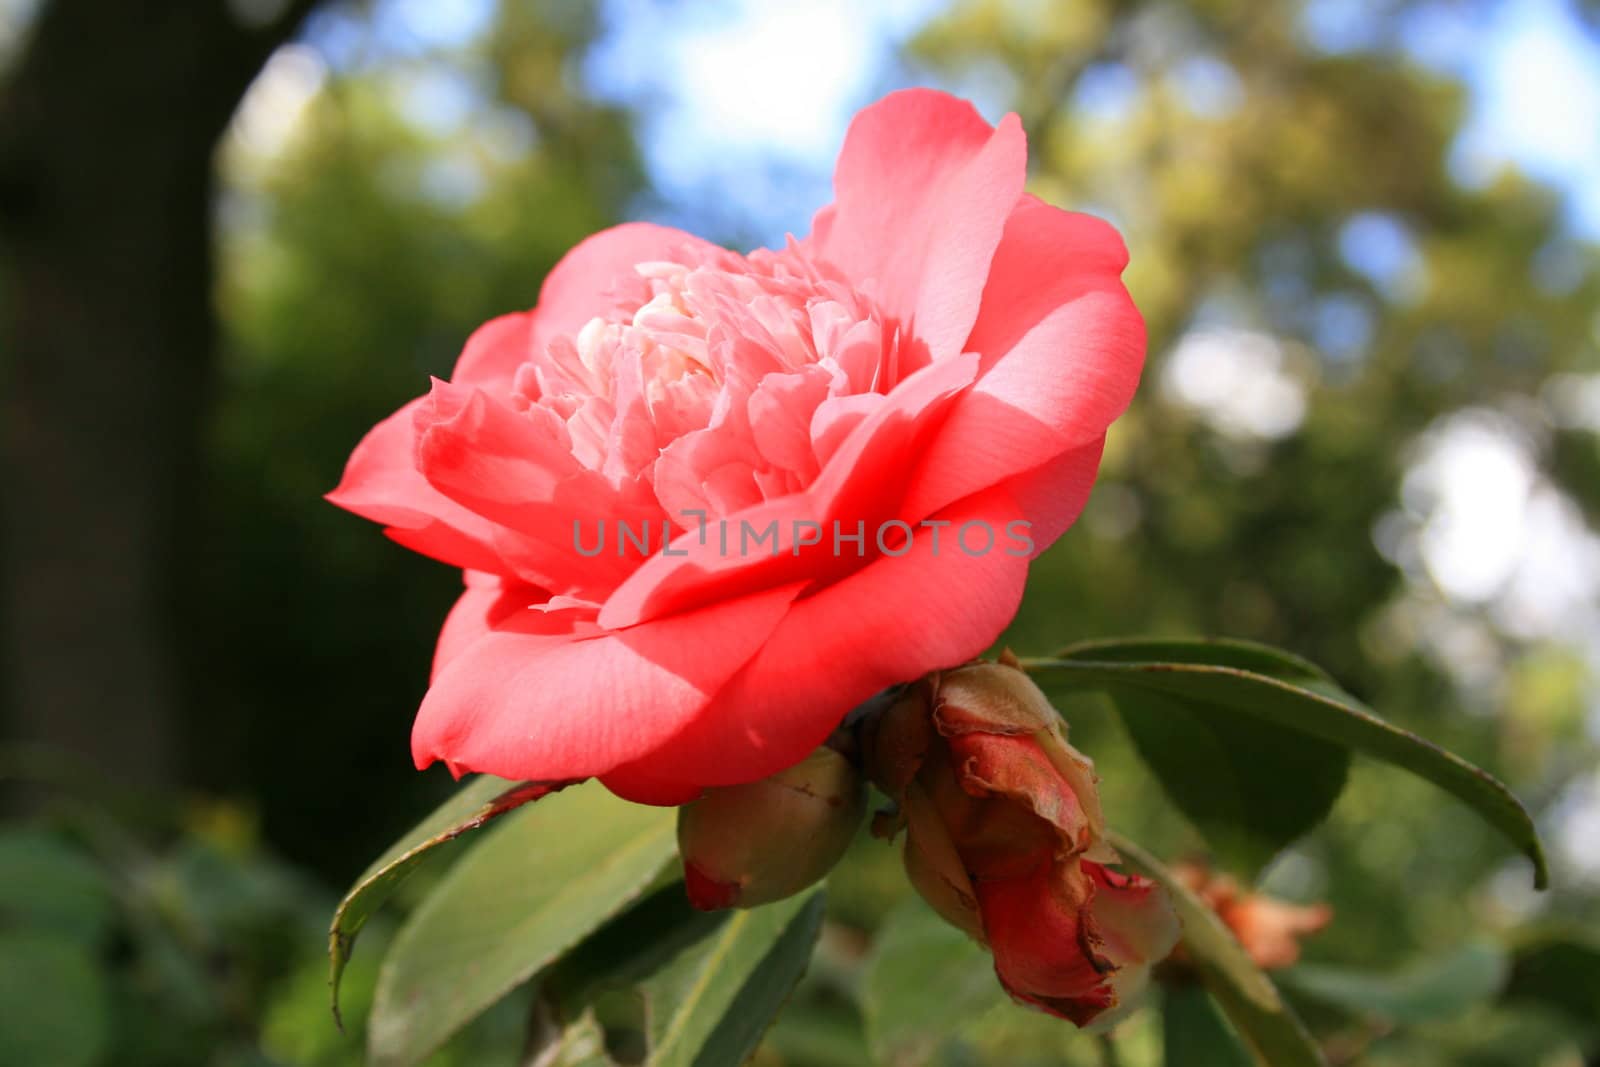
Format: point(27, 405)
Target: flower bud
point(1269, 929)
point(751, 844)
point(1005, 839)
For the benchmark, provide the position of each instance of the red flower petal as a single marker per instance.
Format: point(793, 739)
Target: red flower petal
point(381, 483)
point(1062, 346)
point(897, 618)
point(541, 699)
point(923, 187)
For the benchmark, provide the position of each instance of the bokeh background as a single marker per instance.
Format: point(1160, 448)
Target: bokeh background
point(236, 234)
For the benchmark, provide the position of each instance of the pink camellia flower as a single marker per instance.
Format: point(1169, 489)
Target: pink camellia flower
point(902, 408)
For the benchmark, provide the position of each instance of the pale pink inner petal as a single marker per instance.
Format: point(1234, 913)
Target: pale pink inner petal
point(714, 382)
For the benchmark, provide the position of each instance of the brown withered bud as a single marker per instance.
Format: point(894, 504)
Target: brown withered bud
point(1005, 839)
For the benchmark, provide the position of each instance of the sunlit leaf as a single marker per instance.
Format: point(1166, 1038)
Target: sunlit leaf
point(711, 1006)
point(481, 800)
point(1218, 651)
point(1208, 684)
point(539, 883)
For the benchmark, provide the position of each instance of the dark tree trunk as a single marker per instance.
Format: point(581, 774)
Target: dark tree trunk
point(107, 132)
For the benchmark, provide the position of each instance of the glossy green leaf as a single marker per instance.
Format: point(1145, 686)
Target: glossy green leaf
point(1290, 699)
point(481, 800)
point(1249, 786)
point(1219, 651)
point(913, 953)
point(1559, 969)
point(711, 1005)
point(1247, 997)
point(536, 885)
point(1194, 1030)
point(1442, 988)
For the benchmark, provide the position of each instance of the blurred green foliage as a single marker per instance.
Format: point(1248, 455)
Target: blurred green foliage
point(349, 278)
point(358, 258)
point(142, 932)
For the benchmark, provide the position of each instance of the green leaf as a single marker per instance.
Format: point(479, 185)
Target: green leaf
point(538, 884)
point(1246, 996)
point(628, 949)
point(45, 882)
point(1559, 969)
point(1250, 787)
point(1219, 651)
point(1194, 1030)
point(710, 1006)
point(1290, 699)
point(54, 1001)
point(483, 799)
point(923, 982)
point(1442, 988)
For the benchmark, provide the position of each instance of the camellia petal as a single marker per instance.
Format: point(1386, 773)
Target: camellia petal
point(593, 273)
point(787, 699)
point(1047, 949)
point(1062, 345)
point(495, 350)
point(934, 867)
point(525, 705)
point(486, 602)
point(1054, 493)
point(515, 471)
point(860, 485)
point(922, 191)
point(1135, 922)
point(381, 483)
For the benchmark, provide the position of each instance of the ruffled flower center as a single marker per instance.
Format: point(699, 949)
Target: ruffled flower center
point(716, 383)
